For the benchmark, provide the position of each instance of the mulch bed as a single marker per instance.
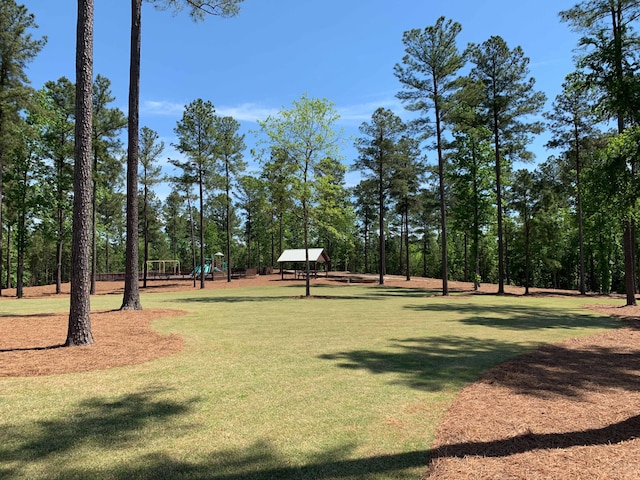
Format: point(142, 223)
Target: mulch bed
point(565, 411)
point(31, 345)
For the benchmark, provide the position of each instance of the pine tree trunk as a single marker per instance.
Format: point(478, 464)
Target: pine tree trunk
point(629, 264)
point(131, 299)
point(79, 330)
point(228, 215)
point(406, 238)
point(8, 256)
point(94, 225)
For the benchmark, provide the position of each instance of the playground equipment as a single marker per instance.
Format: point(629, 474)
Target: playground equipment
point(163, 268)
point(211, 266)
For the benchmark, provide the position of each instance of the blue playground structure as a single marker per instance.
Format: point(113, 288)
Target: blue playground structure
point(210, 267)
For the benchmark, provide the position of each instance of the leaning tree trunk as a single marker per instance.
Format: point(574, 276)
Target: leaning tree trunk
point(131, 299)
point(79, 330)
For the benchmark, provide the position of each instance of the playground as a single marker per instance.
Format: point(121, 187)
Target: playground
point(347, 392)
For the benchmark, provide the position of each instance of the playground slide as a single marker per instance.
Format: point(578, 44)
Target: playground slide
point(207, 270)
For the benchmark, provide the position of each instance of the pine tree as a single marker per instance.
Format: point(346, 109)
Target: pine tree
point(432, 60)
point(508, 99)
point(150, 149)
point(377, 157)
point(18, 48)
point(79, 331)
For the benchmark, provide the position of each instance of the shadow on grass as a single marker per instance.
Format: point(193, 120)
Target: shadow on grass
point(261, 461)
point(557, 370)
point(431, 363)
point(321, 292)
point(436, 363)
point(112, 424)
point(518, 317)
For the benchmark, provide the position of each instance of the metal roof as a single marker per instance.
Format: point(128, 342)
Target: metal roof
point(297, 255)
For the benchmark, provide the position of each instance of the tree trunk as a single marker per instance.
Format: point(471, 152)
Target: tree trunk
point(8, 256)
point(79, 330)
point(407, 253)
point(365, 239)
point(59, 247)
point(498, 169)
point(466, 256)
point(131, 299)
point(228, 215)
point(200, 182)
point(443, 203)
point(527, 257)
point(193, 241)
point(94, 224)
point(629, 264)
point(424, 253)
point(21, 242)
point(381, 247)
point(145, 219)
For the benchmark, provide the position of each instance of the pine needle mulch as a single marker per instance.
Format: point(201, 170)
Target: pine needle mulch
point(565, 411)
point(31, 345)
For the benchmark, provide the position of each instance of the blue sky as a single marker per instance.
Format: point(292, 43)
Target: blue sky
point(274, 51)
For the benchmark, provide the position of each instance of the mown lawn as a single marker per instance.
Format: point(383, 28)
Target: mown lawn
point(350, 384)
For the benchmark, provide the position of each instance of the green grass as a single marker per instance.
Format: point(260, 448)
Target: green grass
point(269, 385)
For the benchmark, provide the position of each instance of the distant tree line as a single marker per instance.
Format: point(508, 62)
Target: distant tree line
point(467, 212)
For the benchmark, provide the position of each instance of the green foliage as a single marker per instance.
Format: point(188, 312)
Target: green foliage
point(303, 137)
point(199, 9)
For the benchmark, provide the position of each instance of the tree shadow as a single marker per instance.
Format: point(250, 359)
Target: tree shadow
point(111, 425)
point(406, 292)
point(436, 363)
point(431, 363)
point(519, 317)
point(261, 461)
point(32, 349)
point(106, 423)
point(622, 431)
point(559, 370)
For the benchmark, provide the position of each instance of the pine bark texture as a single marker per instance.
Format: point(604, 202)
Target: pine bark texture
point(79, 331)
point(131, 299)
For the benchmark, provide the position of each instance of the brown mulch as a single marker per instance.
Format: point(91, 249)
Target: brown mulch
point(565, 411)
point(31, 345)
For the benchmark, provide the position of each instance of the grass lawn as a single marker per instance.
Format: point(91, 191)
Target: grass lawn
point(351, 384)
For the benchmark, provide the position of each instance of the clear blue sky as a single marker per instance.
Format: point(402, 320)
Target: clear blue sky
point(276, 50)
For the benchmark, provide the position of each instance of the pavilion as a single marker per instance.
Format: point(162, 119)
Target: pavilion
point(295, 259)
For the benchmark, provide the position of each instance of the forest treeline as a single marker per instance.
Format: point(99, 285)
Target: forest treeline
point(470, 212)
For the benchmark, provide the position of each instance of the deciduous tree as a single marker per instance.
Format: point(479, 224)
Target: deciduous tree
point(305, 134)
